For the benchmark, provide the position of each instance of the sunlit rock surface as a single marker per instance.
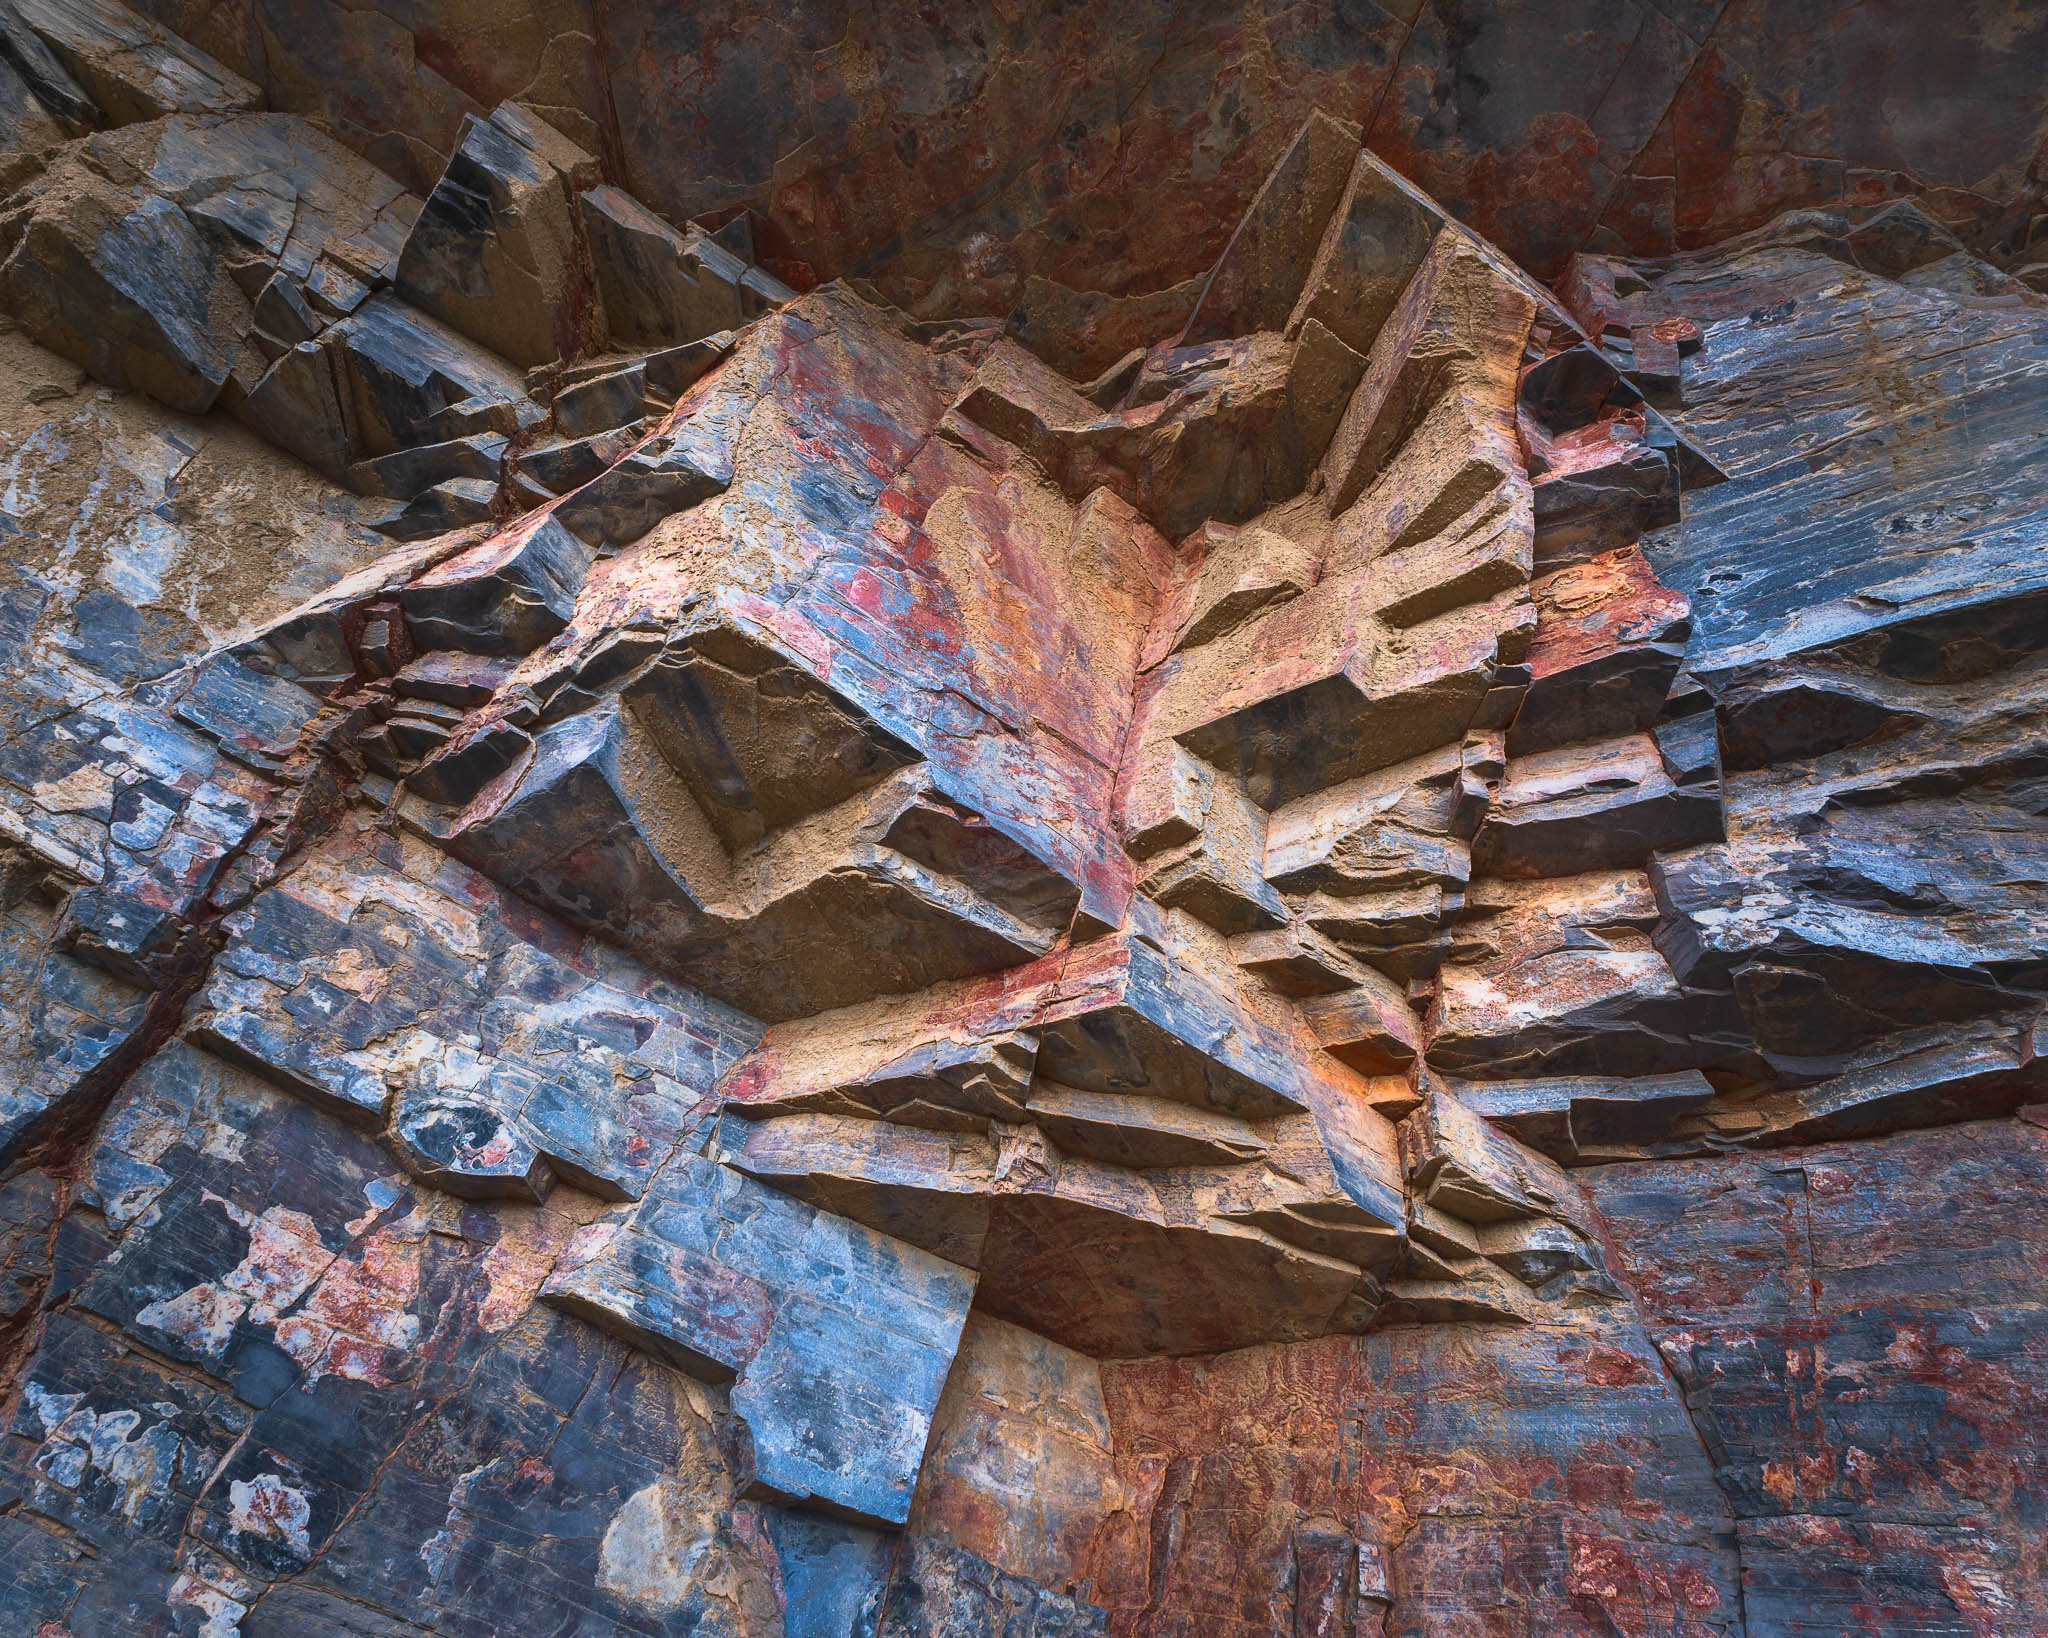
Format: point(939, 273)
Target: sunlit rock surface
point(1167, 933)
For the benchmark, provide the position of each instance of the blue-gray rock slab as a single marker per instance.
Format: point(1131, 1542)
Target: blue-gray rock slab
point(146, 281)
point(836, 1338)
point(109, 1445)
point(504, 596)
point(1882, 444)
point(662, 286)
point(134, 68)
point(272, 188)
point(355, 978)
point(831, 1571)
point(60, 1022)
point(119, 281)
point(25, 124)
point(254, 718)
point(1556, 1115)
point(406, 380)
point(44, 80)
point(125, 799)
point(1836, 922)
point(496, 252)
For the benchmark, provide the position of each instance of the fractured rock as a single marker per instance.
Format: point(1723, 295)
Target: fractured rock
point(662, 288)
point(131, 67)
point(1385, 962)
point(495, 252)
point(836, 1339)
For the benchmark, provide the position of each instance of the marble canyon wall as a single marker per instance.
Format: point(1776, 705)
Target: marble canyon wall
point(1288, 880)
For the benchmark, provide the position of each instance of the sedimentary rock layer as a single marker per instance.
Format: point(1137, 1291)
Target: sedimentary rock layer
point(1355, 952)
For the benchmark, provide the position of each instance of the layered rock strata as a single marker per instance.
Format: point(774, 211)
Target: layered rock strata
point(690, 957)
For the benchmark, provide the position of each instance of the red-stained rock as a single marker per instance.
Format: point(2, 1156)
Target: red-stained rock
point(1236, 927)
point(1515, 1481)
point(930, 152)
point(1854, 1329)
point(1609, 640)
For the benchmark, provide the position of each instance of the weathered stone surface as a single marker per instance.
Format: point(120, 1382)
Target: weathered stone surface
point(505, 597)
point(384, 379)
point(1609, 641)
point(1020, 1466)
point(43, 97)
point(119, 281)
point(25, 123)
point(662, 288)
point(1223, 934)
point(76, 1021)
point(1870, 519)
point(1376, 239)
point(145, 247)
point(349, 985)
point(1562, 976)
point(836, 1339)
point(1823, 1268)
point(1572, 1118)
point(132, 68)
point(1589, 1501)
point(1631, 130)
point(1160, 1101)
point(1450, 348)
point(1258, 280)
point(1216, 432)
point(496, 251)
point(1602, 804)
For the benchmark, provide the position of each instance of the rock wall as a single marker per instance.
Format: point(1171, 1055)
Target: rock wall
point(1359, 954)
point(1088, 162)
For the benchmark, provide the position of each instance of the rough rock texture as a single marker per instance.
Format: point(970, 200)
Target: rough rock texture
point(1219, 931)
point(1084, 165)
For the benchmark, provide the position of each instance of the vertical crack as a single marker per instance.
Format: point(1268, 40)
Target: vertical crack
point(1712, 1446)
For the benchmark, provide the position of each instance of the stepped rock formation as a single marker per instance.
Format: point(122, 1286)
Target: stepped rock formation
point(1355, 953)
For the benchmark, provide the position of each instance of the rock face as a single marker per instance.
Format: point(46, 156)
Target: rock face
point(1086, 164)
point(1360, 954)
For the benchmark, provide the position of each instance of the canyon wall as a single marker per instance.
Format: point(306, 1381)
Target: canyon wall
point(751, 888)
